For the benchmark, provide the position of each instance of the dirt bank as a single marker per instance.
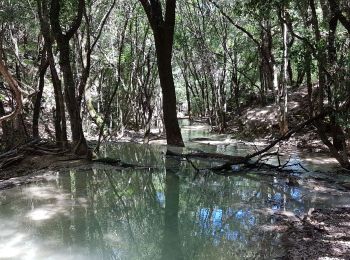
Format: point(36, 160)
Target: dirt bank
point(322, 234)
point(24, 170)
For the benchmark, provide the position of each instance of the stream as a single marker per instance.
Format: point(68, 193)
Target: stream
point(166, 211)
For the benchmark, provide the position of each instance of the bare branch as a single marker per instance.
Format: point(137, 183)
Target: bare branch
point(101, 26)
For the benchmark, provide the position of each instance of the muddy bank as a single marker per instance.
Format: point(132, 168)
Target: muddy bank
point(24, 170)
point(322, 234)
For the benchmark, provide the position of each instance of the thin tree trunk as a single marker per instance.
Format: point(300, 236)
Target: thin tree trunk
point(44, 64)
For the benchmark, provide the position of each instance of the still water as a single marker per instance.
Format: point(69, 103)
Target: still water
point(164, 212)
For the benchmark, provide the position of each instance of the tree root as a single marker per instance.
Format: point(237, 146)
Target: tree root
point(36, 147)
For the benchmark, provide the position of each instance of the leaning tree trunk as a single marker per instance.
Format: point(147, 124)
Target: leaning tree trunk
point(12, 123)
point(338, 147)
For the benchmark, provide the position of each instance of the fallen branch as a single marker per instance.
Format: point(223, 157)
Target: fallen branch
point(287, 135)
point(119, 163)
point(246, 161)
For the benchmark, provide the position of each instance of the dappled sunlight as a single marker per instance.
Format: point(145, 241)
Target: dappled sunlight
point(16, 247)
point(15, 241)
point(274, 228)
point(158, 142)
point(44, 192)
point(267, 113)
point(322, 160)
point(41, 214)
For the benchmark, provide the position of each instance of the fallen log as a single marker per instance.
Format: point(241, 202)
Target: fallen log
point(247, 161)
point(120, 163)
point(214, 156)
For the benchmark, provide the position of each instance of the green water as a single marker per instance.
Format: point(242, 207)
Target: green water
point(167, 212)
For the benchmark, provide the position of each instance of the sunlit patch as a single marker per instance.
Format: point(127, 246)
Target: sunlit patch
point(40, 214)
point(195, 127)
point(265, 211)
point(274, 228)
point(42, 192)
point(321, 160)
point(112, 238)
point(158, 142)
point(82, 201)
point(16, 246)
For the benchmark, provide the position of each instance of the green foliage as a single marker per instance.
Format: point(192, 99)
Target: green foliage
point(215, 56)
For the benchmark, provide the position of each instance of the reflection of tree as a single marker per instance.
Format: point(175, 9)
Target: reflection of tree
point(171, 248)
point(124, 208)
point(65, 185)
point(79, 211)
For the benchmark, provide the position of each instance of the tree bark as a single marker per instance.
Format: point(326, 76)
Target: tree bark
point(59, 111)
point(163, 31)
point(80, 146)
point(14, 87)
point(44, 64)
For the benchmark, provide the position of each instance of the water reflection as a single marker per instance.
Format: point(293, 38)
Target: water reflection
point(159, 214)
point(163, 213)
point(171, 248)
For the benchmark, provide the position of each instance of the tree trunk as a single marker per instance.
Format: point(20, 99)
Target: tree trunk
point(44, 64)
point(163, 50)
point(78, 138)
point(80, 146)
point(283, 91)
point(163, 31)
point(59, 110)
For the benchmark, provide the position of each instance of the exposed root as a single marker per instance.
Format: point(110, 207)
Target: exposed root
point(33, 147)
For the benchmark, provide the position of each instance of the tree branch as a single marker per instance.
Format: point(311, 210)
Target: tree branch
point(235, 24)
point(76, 23)
point(147, 7)
point(101, 26)
point(287, 135)
point(336, 11)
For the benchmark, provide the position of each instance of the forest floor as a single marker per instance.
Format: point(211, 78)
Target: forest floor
point(322, 234)
point(261, 123)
